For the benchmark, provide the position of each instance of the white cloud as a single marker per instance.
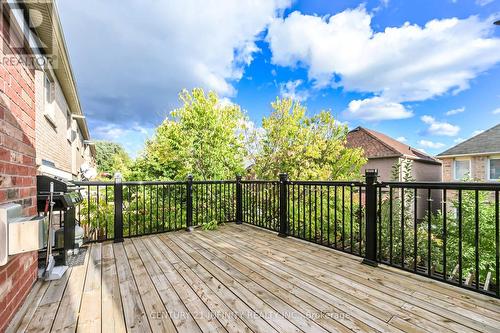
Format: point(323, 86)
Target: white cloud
point(377, 108)
point(290, 90)
point(455, 111)
point(483, 2)
point(439, 128)
point(476, 132)
point(458, 140)
point(496, 111)
point(157, 48)
point(400, 64)
point(401, 139)
point(430, 144)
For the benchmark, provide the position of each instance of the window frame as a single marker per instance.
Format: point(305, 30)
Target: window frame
point(455, 160)
point(488, 167)
point(48, 104)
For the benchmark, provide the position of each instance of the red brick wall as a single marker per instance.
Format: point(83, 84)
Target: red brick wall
point(372, 147)
point(17, 168)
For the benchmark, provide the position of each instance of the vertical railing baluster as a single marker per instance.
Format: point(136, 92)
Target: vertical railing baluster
point(343, 217)
point(371, 218)
point(351, 207)
point(390, 226)
point(293, 210)
point(335, 215)
point(403, 227)
point(444, 235)
point(415, 231)
point(497, 244)
point(106, 209)
point(360, 223)
point(283, 205)
point(476, 237)
point(137, 209)
point(429, 226)
point(189, 203)
point(310, 212)
point(239, 200)
point(321, 215)
point(157, 208)
point(328, 215)
point(315, 213)
point(460, 273)
point(129, 207)
point(150, 208)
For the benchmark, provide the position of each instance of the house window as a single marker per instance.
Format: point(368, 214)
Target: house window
point(494, 168)
point(68, 127)
point(461, 169)
point(48, 87)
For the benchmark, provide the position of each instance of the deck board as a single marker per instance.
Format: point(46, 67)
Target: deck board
point(241, 278)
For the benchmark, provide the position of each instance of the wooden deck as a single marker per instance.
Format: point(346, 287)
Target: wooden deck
point(240, 278)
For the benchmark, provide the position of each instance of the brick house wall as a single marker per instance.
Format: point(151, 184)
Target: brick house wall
point(374, 149)
point(17, 168)
point(478, 164)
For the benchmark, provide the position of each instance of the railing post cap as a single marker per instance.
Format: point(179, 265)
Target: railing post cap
point(190, 177)
point(118, 177)
point(371, 172)
point(238, 177)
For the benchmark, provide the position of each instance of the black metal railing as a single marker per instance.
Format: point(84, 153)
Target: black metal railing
point(445, 231)
point(327, 213)
point(261, 203)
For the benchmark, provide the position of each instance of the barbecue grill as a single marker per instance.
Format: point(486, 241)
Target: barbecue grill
point(66, 198)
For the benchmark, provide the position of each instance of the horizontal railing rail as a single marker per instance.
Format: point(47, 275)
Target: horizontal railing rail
point(444, 231)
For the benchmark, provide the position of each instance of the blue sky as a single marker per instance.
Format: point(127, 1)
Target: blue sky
point(426, 72)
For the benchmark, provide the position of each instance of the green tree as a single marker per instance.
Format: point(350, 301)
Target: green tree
point(204, 138)
point(305, 147)
point(111, 157)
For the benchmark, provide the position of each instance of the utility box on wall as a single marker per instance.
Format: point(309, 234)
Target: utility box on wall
point(18, 233)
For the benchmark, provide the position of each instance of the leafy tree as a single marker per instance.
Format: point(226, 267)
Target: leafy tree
point(305, 147)
point(204, 138)
point(111, 157)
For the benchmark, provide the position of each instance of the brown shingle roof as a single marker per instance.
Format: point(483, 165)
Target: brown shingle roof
point(387, 146)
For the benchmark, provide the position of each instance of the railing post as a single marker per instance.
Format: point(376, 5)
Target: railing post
point(189, 203)
point(371, 217)
point(239, 200)
point(118, 202)
point(283, 232)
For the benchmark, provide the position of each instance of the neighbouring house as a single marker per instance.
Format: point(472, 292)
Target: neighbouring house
point(42, 128)
point(477, 158)
point(383, 152)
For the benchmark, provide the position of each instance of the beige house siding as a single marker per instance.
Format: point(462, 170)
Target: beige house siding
point(54, 142)
point(426, 172)
point(421, 171)
point(51, 139)
point(383, 165)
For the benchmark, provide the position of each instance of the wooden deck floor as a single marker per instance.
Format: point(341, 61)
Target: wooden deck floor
point(240, 278)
